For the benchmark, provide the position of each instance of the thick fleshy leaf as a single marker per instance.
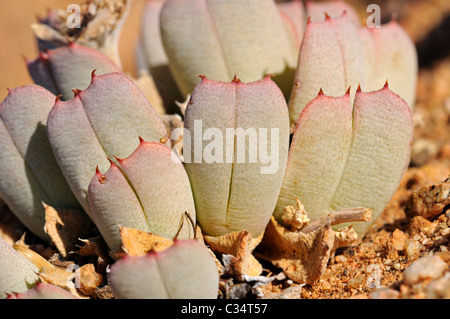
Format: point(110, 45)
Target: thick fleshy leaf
point(17, 274)
point(236, 178)
point(104, 121)
point(30, 173)
point(185, 270)
point(223, 38)
point(390, 55)
point(43, 291)
point(335, 163)
point(154, 55)
point(331, 59)
point(69, 67)
point(294, 16)
point(150, 192)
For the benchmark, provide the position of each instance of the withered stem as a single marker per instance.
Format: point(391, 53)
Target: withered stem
point(347, 215)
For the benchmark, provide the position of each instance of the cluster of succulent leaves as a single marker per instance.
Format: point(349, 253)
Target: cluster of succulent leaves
point(108, 152)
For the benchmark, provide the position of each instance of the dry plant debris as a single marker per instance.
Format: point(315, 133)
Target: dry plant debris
point(303, 255)
point(65, 226)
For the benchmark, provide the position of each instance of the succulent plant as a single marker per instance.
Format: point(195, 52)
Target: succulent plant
point(366, 57)
point(29, 171)
point(158, 275)
point(390, 54)
point(69, 54)
point(43, 291)
point(53, 71)
point(150, 191)
point(221, 39)
point(109, 152)
point(100, 123)
point(17, 273)
point(234, 186)
point(364, 152)
point(152, 57)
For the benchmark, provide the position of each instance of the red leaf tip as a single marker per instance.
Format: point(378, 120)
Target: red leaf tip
point(58, 98)
point(235, 79)
point(75, 92)
point(202, 76)
point(348, 90)
point(320, 92)
point(101, 178)
point(386, 85)
point(43, 56)
point(117, 159)
point(359, 88)
point(327, 16)
point(93, 73)
point(141, 140)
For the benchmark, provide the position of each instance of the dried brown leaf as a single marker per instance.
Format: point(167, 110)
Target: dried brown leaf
point(240, 245)
point(89, 279)
point(138, 243)
point(303, 255)
point(65, 278)
point(35, 258)
point(65, 226)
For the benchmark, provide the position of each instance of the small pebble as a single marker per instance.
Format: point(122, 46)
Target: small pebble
point(398, 240)
point(356, 282)
point(412, 248)
point(340, 259)
point(429, 267)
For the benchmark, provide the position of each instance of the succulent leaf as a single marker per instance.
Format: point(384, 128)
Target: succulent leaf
point(17, 274)
point(104, 121)
point(293, 14)
point(182, 271)
point(331, 59)
point(154, 56)
point(30, 173)
point(150, 192)
point(390, 55)
point(232, 194)
point(222, 38)
point(43, 291)
point(335, 163)
point(69, 67)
